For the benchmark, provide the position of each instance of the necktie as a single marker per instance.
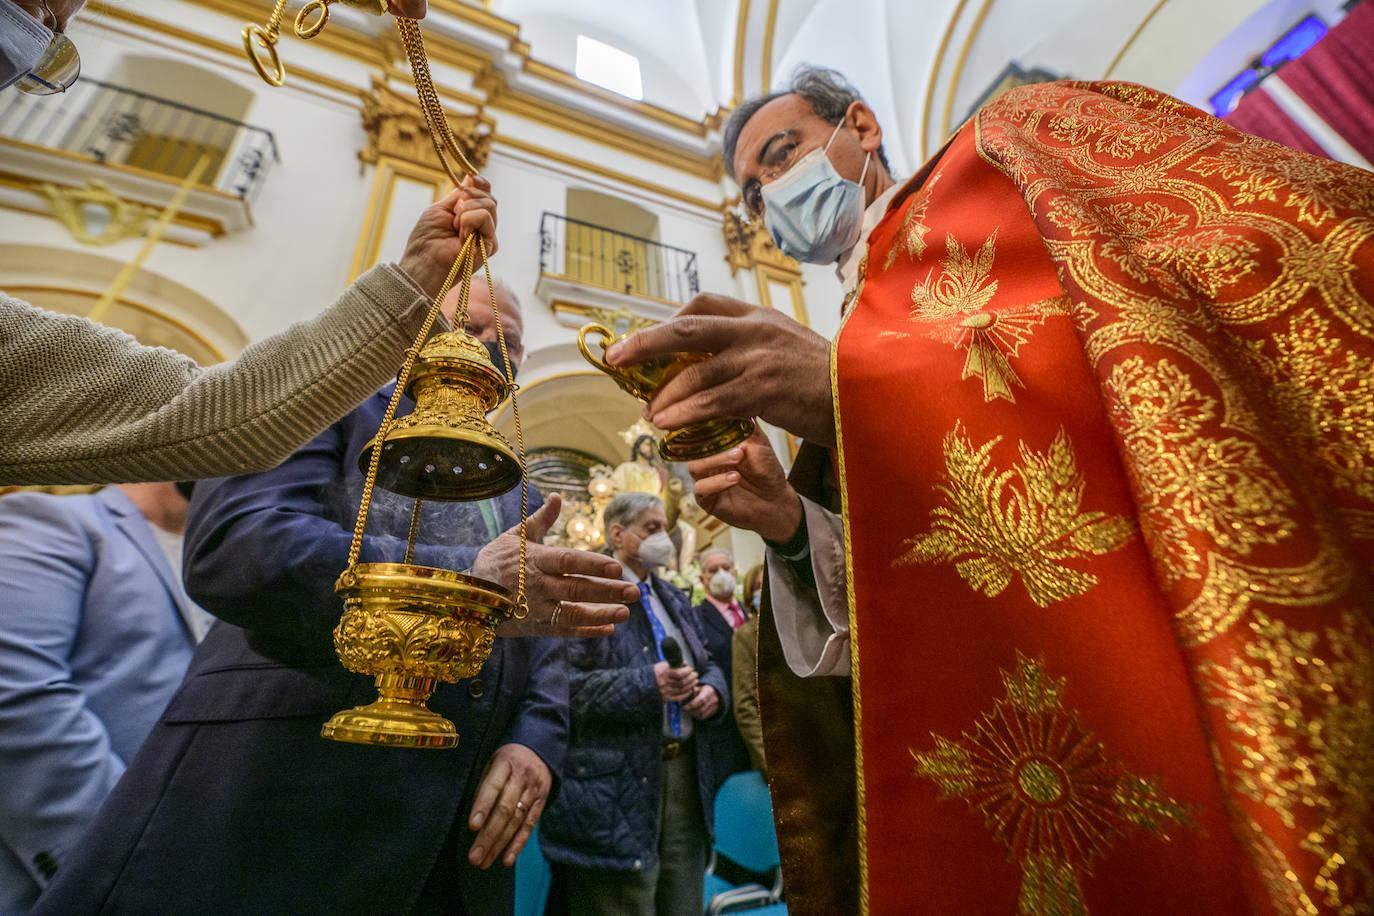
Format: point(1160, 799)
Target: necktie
point(674, 709)
point(736, 616)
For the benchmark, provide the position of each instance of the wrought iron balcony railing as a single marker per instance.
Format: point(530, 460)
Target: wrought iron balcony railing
point(122, 126)
point(596, 256)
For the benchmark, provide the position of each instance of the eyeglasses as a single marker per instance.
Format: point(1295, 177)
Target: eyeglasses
point(59, 66)
point(779, 159)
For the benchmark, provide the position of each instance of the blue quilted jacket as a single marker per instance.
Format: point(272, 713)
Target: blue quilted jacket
point(606, 815)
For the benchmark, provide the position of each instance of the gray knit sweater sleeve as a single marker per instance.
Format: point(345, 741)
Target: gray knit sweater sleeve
point(83, 403)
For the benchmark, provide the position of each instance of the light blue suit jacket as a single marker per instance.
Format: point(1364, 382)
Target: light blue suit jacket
point(95, 635)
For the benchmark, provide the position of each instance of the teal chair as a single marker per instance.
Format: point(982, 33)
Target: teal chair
point(532, 878)
point(743, 875)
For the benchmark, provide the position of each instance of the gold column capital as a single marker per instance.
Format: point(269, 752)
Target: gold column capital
point(396, 128)
point(748, 245)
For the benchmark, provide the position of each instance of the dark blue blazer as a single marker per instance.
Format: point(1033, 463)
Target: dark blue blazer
point(607, 813)
point(718, 635)
point(236, 804)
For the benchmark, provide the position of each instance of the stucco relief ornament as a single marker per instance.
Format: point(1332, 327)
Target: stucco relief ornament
point(412, 626)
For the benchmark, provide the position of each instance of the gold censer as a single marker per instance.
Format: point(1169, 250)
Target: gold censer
point(411, 626)
point(698, 440)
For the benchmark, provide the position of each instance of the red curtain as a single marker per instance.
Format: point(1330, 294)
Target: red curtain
point(1336, 80)
point(1260, 115)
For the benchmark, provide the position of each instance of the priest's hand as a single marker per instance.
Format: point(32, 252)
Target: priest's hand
point(509, 801)
point(705, 704)
point(409, 9)
point(747, 488)
point(583, 589)
point(442, 229)
point(762, 364)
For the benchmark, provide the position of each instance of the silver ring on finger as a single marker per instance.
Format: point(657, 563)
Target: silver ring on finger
point(553, 618)
point(520, 806)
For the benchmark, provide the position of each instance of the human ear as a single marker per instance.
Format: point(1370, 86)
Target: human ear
point(861, 119)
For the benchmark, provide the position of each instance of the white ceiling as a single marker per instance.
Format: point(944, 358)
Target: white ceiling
point(920, 63)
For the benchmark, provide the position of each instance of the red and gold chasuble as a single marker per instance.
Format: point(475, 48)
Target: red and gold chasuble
point(1105, 405)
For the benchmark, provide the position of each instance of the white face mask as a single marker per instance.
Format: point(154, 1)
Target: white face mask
point(656, 550)
point(722, 585)
point(814, 214)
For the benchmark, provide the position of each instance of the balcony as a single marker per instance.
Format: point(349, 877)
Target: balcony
point(140, 146)
point(585, 269)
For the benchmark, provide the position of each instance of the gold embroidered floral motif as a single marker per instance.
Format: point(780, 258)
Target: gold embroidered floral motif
point(1300, 706)
point(911, 237)
point(964, 286)
point(1312, 187)
point(1189, 483)
point(1325, 394)
point(1046, 788)
point(959, 301)
point(992, 530)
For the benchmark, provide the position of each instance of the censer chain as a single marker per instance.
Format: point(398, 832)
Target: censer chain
point(440, 134)
point(464, 256)
point(522, 604)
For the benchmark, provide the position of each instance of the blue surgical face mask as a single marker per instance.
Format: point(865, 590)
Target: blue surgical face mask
point(813, 214)
point(23, 40)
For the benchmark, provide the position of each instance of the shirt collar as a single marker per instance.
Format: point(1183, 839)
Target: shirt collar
point(848, 267)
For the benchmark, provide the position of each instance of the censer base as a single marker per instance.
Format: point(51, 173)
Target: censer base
point(702, 440)
point(392, 723)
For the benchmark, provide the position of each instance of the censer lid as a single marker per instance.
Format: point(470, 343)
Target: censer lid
point(458, 358)
point(445, 449)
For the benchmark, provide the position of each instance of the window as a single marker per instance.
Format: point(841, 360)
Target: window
point(608, 67)
point(1295, 42)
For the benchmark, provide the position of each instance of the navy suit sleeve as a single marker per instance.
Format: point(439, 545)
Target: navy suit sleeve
point(708, 672)
point(263, 550)
point(602, 695)
point(55, 752)
point(540, 722)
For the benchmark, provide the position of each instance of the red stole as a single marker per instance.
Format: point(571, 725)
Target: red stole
point(1107, 451)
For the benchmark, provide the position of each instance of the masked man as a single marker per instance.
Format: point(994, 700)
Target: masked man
point(630, 832)
point(721, 615)
point(1087, 508)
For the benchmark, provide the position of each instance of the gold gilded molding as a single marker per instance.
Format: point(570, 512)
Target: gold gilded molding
point(181, 38)
point(747, 244)
point(190, 221)
point(338, 38)
point(769, 30)
point(608, 317)
point(741, 34)
point(118, 167)
point(396, 128)
point(1135, 33)
point(549, 114)
point(549, 155)
point(378, 213)
point(69, 207)
point(957, 76)
point(935, 74)
point(768, 274)
point(696, 127)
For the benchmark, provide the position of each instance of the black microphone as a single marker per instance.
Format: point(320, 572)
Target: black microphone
point(672, 652)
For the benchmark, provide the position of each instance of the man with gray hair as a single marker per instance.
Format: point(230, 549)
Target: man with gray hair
point(1076, 478)
point(721, 615)
point(630, 830)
